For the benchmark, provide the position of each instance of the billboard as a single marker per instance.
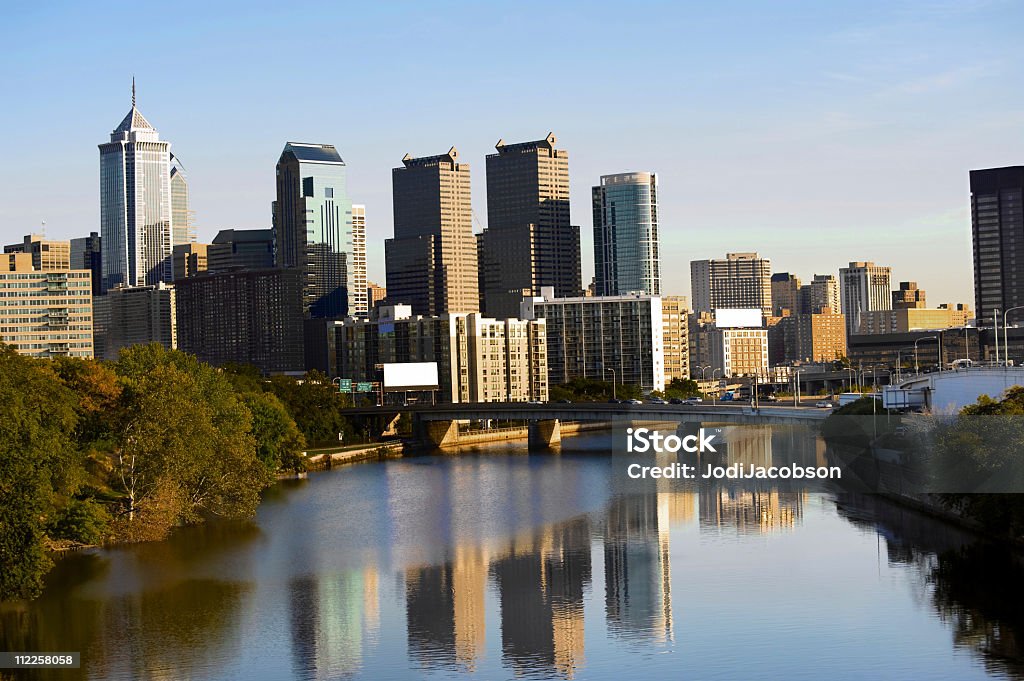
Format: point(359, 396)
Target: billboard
point(738, 318)
point(410, 376)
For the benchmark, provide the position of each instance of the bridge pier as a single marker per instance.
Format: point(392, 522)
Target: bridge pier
point(688, 428)
point(545, 434)
point(436, 433)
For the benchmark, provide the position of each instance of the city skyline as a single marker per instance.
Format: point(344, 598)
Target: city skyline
point(862, 131)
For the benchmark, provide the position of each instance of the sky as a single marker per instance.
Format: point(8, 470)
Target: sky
point(813, 133)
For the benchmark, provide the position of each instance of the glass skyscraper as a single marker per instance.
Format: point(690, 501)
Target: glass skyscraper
point(135, 204)
point(626, 251)
point(314, 230)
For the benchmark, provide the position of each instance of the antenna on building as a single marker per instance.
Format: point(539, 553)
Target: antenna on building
point(42, 227)
point(133, 91)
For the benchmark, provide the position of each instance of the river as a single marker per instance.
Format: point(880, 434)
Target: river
point(496, 564)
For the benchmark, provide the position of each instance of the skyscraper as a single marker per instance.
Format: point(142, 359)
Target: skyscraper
point(87, 254)
point(529, 242)
point(822, 293)
point(742, 280)
point(182, 229)
point(136, 222)
point(361, 303)
point(313, 228)
point(863, 287)
point(997, 229)
point(431, 262)
point(626, 251)
point(785, 293)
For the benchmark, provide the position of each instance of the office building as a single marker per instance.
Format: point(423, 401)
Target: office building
point(251, 249)
point(431, 262)
point(676, 338)
point(479, 359)
point(47, 254)
point(732, 347)
point(822, 293)
point(243, 316)
point(136, 223)
point(183, 230)
point(190, 259)
point(374, 294)
point(361, 303)
point(87, 254)
point(904, 319)
point(863, 287)
point(530, 241)
point(626, 252)
point(45, 313)
point(742, 280)
point(908, 296)
point(785, 294)
point(997, 229)
point(314, 230)
point(618, 338)
point(134, 315)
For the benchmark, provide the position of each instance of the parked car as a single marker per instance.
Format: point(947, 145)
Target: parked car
point(635, 401)
point(823, 405)
point(693, 400)
point(614, 401)
point(676, 400)
point(656, 400)
point(564, 402)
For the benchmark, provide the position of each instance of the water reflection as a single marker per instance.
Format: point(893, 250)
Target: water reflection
point(529, 566)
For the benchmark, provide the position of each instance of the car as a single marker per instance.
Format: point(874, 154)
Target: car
point(535, 403)
point(614, 401)
point(676, 400)
point(656, 400)
point(693, 400)
point(770, 398)
point(823, 405)
point(564, 402)
point(635, 401)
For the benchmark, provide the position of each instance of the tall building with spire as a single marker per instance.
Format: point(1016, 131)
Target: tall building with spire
point(314, 230)
point(136, 221)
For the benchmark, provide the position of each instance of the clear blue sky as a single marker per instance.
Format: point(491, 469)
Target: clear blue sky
point(815, 133)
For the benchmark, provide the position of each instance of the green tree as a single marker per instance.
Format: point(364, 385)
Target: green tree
point(316, 405)
point(682, 388)
point(279, 444)
point(37, 418)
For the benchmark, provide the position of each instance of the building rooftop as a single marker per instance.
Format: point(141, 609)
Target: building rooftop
point(313, 153)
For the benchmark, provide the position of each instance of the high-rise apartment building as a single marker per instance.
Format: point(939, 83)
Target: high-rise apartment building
point(618, 338)
point(997, 228)
point(190, 259)
point(45, 313)
point(374, 294)
point(241, 249)
point(361, 303)
point(134, 315)
point(742, 280)
point(183, 230)
point(87, 254)
point(908, 296)
point(530, 241)
point(47, 254)
point(822, 293)
point(785, 293)
point(676, 337)
point(136, 222)
point(243, 316)
point(431, 262)
point(863, 287)
point(627, 257)
point(479, 359)
point(314, 230)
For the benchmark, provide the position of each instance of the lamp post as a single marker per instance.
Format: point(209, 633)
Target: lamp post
point(1006, 323)
point(613, 380)
point(995, 322)
point(899, 363)
point(917, 368)
point(714, 395)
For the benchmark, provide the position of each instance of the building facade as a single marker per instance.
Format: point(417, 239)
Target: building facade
point(135, 315)
point(243, 316)
point(602, 337)
point(997, 231)
point(251, 249)
point(374, 294)
point(822, 293)
point(908, 296)
point(136, 223)
point(183, 230)
point(863, 287)
point(785, 294)
point(87, 254)
point(905, 319)
point(530, 241)
point(314, 230)
point(431, 262)
point(190, 260)
point(361, 303)
point(676, 338)
point(47, 254)
point(45, 313)
point(627, 257)
point(479, 359)
point(742, 280)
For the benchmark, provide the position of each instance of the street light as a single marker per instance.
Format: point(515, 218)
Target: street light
point(917, 369)
point(995, 322)
point(1006, 343)
point(899, 363)
point(613, 380)
point(714, 395)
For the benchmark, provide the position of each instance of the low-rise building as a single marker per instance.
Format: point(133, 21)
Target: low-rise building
point(676, 340)
point(45, 313)
point(47, 254)
point(904, 319)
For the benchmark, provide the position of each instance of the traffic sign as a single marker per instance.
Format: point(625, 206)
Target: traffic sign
point(364, 387)
point(344, 385)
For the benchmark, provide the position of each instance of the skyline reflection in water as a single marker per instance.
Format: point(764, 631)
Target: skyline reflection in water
point(496, 564)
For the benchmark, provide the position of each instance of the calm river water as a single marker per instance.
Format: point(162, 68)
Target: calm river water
point(495, 564)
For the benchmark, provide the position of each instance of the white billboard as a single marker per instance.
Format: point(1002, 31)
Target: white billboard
point(738, 318)
point(410, 376)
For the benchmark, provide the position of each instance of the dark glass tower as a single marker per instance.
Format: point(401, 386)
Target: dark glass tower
point(997, 230)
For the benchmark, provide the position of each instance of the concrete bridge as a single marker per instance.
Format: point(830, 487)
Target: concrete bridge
point(438, 424)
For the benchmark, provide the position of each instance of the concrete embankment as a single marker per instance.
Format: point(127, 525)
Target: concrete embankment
point(326, 458)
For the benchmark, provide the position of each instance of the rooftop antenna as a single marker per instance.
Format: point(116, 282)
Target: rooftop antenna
point(133, 91)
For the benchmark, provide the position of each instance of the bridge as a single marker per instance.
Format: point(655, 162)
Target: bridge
point(438, 424)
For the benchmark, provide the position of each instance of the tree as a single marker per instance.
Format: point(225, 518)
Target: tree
point(37, 418)
point(315, 404)
point(279, 443)
point(682, 388)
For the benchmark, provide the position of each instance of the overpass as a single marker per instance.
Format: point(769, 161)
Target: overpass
point(438, 424)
